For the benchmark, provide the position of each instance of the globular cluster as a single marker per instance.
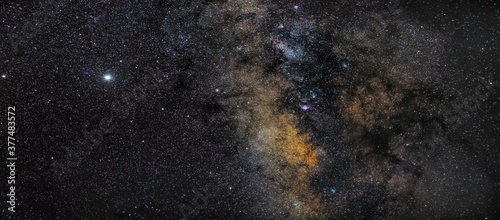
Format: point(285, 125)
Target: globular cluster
point(253, 109)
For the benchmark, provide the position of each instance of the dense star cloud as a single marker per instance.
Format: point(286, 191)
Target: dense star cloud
point(252, 109)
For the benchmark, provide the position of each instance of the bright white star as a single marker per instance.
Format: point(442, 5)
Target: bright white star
point(108, 77)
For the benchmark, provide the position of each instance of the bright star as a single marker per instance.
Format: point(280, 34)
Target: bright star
point(108, 77)
point(4, 76)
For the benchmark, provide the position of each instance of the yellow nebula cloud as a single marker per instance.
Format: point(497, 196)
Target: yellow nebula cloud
point(287, 156)
point(297, 150)
point(290, 157)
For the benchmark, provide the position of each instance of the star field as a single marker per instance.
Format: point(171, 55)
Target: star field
point(252, 109)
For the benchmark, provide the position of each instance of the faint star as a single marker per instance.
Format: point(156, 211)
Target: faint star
point(313, 95)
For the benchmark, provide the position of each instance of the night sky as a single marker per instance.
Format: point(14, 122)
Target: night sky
point(251, 109)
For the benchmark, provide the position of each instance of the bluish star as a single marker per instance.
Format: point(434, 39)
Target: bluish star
point(313, 95)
